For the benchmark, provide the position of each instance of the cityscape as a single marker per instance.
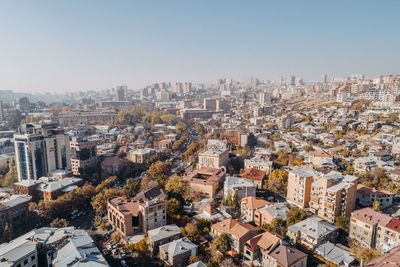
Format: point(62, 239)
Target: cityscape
point(297, 169)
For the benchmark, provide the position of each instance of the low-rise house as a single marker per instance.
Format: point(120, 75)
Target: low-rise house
point(140, 155)
point(388, 236)
point(242, 187)
point(249, 205)
point(258, 164)
point(162, 235)
point(257, 176)
point(364, 164)
point(165, 144)
point(255, 247)
point(266, 214)
point(334, 254)
point(197, 264)
point(205, 180)
point(238, 232)
point(213, 158)
point(366, 196)
point(285, 256)
point(178, 252)
point(113, 165)
point(13, 207)
point(312, 231)
point(364, 224)
point(388, 259)
point(320, 157)
point(395, 175)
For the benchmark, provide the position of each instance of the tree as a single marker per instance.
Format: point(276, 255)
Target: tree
point(277, 181)
point(343, 223)
point(99, 202)
point(174, 207)
point(59, 223)
point(277, 226)
point(192, 232)
point(131, 187)
point(221, 242)
point(142, 248)
point(193, 259)
point(176, 185)
point(295, 215)
point(377, 205)
point(116, 237)
point(360, 252)
point(147, 182)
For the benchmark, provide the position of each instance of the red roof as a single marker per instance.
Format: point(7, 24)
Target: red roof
point(252, 174)
point(394, 225)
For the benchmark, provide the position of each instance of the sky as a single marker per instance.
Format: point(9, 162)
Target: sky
point(71, 45)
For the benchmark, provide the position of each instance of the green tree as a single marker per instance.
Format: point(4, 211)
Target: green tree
point(192, 232)
point(295, 215)
point(176, 185)
point(59, 223)
point(174, 207)
point(131, 188)
point(277, 181)
point(277, 226)
point(99, 202)
point(343, 223)
point(221, 242)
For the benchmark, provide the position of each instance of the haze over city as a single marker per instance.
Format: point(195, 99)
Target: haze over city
point(66, 46)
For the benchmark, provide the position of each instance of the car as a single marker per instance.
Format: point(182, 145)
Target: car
point(114, 252)
point(123, 263)
point(123, 256)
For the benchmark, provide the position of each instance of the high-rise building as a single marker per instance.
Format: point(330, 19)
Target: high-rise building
point(83, 155)
point(121, 90)
point(187, 87)
point(264, 98)
point(40, 149)
point(23, 104)
point(2, 117)
point(324, 78)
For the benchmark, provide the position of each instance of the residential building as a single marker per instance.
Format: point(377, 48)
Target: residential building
point(256, 176)
point(242, 187)
point(238, 232)
point(249, 205)
point(177, 252)
point(299, 186)
point(191, 113)
point(13, 207)
point(320, 157)
point(333, 195)
point(113, 165)
point(83, 155)
point(364, 224)
point(235, 138)
point(392, 257)
point(40, 149)
point(140, 155)
point(145, 212)
point(366, 197)
point(286, 121)
point(257, 246)
point(213, 158)
point(72, 118)
point(285, 256)
point(312, 231)
point(265, 215)
point(162, 235)
point(206, 180)
point(388, 236)
point(259, 164)
point(334, 254)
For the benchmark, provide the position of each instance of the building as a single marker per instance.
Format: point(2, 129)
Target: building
point(192, 113)
point(312, 231)
point(47, 188)
point(40, 149)
point(364, 225)
point(333, 195)
point(239, 233)
point(213, 158)
point(265, 215)
point(334, 254)
point(259, 164)
point(299, 186)
point(113, 165)
point(320, 157)
point(83, 155)
point(249, 205)
point(72, 118)
point(255, 248)
point(366, 196)
point(23, 104)
point(162, 235)
point(206, 180)
point(256, 176)
point(240, 186)
point(235, 138)
point(145, 212)
point(2, 115)
point(388, 236)
point(140, 155)
point(121, 91)
point(177, 252)
point(52, 247)
point(13, 207)
point(286, 121)
point(392, 257)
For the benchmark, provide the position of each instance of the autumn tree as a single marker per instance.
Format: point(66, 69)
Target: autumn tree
point(174, 207)
point(377, 205)
point(295, 215)
point(277, 181)
point(176, 185)
point(99, 202)
point(142, 248)
point(59, 223)
point(192, 232)
point(343, 222)
point(221, 242)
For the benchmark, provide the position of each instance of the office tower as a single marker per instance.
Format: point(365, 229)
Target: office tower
point(324, 78)
point(2, 117)
point(83, 155)
point(40, 149)
point(121, 90)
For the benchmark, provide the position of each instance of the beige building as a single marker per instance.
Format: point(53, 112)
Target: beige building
point(333, 195)
point(206, 180)
point(249, 205)
point(213, 158)
point(72, 118)
point(145, 212)
point(140, 155)
point(83, 155)
point(299, 186)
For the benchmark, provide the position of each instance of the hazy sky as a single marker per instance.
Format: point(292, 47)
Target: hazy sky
point(70, 45)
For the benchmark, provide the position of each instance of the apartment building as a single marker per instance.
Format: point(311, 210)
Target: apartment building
point(162, 235)
point(213, 158)
point(259, 164)
point(299, 186)
point(140, 155)
point(13, 207)
point(266, 214)
point(242, 187)
point(177, 252)
point(364, 225)
point(145, 212)
point(366, 196)
point(206, 180)
point(83, 155)
point(72, 118)
point(256, 176)
point(388, 236)
point(312, 231)
point(40, 149)
point(333, 195)
point(249, 205)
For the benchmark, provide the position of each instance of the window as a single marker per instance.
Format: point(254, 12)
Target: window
point(25, 262)
point(33, 257)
